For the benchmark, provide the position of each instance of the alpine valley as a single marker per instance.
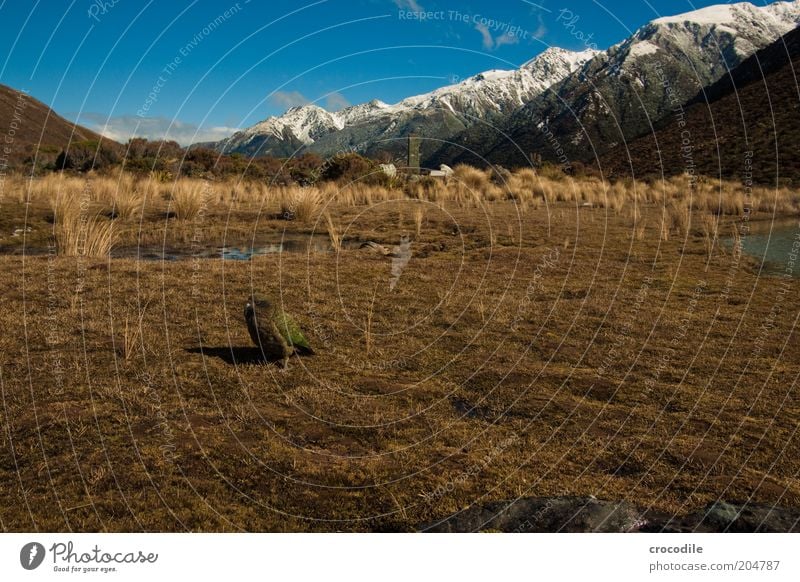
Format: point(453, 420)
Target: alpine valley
point(561, 105)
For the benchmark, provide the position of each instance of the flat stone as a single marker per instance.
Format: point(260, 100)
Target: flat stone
point(544, 514)
point(588, 514)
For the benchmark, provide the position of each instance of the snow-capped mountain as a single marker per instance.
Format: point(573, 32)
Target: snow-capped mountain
point(441, 112)
point(589, 101)
point(621, 93)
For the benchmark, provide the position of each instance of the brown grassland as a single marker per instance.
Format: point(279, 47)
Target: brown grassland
point(548, 336)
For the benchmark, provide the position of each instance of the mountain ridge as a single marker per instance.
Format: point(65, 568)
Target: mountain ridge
point(619, 94)
point(484, 95)
point(733, 134)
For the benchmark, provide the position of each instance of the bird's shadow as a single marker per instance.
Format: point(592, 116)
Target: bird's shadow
point(234, 355)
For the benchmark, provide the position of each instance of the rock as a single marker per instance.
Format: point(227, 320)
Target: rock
point(587, 514)
point(544, 514)
point(721, 516)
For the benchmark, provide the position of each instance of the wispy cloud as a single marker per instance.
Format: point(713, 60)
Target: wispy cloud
point(505, 39)
point(409, 5)
point(336, 101)
point(488, 41)
point(287, 99)
point(123, 127)
point(541, 29)
point(492, 43)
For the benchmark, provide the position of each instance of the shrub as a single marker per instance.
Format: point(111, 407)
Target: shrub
point(349, 167)
point(86, 155)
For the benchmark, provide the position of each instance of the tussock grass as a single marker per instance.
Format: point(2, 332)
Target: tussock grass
point(467, 188)
point(709, 226)
point(333, 233)
point(188, 198)
point(300, 203)
point(79, 230)
point(419, 216)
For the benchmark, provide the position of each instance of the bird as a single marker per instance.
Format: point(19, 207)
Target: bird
point(274, 331)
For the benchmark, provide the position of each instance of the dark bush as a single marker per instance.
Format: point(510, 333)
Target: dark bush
point(348, 167)
point(83, 156)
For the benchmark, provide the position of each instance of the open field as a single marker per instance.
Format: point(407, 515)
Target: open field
point(546, 337)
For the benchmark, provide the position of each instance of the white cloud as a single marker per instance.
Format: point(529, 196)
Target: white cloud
point(409, 5)
point(336, 101)
point(505, 39)
point(541, 30)
point(287, 99)
point(493, 43)
point(488, 41)
point(123, 127)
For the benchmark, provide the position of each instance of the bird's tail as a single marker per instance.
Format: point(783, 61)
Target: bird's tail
point(304, 350)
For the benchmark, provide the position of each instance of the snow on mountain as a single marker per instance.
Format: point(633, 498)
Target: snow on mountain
point(715, 38)
point(306, 123)
point(752, 26)
point(776, 14)
point(693, 49)
point(498, 90)
point(620, 93)
point(490, 92)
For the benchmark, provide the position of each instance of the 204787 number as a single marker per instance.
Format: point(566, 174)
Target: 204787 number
point(761, 565)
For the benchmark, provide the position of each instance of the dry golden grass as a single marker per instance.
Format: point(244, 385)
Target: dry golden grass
point(188, 198)
point(419, 217)
point(79, 230)
point(467, 188)
point(300, 203)
point(333, 233)
point(198, 434)
point(131, 340)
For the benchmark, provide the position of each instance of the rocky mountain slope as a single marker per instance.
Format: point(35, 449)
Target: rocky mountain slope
point(376, 126)
point(619, 94)
point(745, 125)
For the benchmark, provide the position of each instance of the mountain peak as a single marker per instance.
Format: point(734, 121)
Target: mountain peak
point(558, 54)
point(722, 14)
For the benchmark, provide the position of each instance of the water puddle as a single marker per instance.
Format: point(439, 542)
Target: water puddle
point(772, 243)
point(311, 244)
point(244, 252)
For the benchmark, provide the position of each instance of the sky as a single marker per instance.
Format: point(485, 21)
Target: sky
point(196, 70)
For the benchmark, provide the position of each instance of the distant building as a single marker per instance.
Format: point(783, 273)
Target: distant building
point(444, 171)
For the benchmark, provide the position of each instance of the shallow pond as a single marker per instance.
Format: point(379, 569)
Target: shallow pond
point(245, 252)
point(771, 243)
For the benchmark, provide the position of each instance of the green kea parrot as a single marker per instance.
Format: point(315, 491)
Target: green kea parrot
point(273, 330)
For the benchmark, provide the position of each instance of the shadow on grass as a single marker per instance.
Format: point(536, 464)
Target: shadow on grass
point(233, 355)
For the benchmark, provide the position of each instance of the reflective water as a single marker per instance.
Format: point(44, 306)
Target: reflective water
point(311, 244)
point(776, 244)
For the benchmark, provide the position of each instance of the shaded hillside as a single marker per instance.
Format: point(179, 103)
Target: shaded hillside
point(754, 109)
point(29, 126)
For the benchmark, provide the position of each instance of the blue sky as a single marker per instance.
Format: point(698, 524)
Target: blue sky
point(199, 68)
